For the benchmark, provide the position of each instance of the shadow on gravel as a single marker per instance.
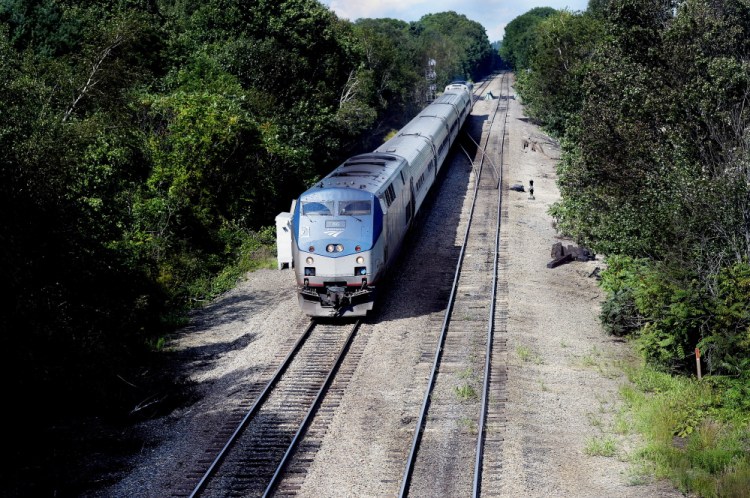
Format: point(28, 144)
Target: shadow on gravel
point(420, 282)
point(202, 355)
point(231, 308)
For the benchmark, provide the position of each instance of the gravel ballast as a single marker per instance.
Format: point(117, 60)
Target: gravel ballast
point(563, 378)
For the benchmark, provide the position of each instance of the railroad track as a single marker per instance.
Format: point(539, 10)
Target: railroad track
point(253, 451)
point(452, 428)
point(481, 87)
point(250, 459)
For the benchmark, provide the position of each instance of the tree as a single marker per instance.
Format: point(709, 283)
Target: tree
point(460, 46)
point(519, 37)
point(552, 88)
point(657, 169)
point(145, 144)
point(391, 57)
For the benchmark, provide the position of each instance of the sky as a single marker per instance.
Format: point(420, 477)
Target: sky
point(494, 15)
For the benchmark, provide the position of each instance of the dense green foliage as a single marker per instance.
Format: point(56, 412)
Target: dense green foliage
point(519, 38)
point(696, 431)
point(651, 105)
point(460, 46)
point(145, 145)
point(650, 101)
point(557, 67)
point(672, 315)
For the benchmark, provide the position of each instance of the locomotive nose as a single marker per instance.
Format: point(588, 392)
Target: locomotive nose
point(349, 269)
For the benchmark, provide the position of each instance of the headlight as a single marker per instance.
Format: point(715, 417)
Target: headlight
point(334, 248)
point(360, 260)
point(309, 260)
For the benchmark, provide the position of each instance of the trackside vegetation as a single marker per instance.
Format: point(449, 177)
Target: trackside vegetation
point(146, 147)
point(650, 101)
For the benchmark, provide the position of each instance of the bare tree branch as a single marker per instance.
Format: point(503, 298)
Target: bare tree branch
point(91, 81)
point(350, 89)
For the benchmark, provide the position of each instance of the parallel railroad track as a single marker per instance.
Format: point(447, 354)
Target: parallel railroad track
point(252, 452)
point(252, 458)
point(441, 455)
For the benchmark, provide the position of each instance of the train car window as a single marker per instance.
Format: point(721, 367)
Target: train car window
point(390, 195)
point(317, 208)
point(442, 148)
point(354, 208)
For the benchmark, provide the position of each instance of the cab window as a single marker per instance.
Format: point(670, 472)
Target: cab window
point(354, 208)
point(317, 208)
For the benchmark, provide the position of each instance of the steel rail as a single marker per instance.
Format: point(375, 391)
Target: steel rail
point(491, 322)
point(252, 411)
point(484, 84)
point(406, 479)
point(473, 165)
point(494, 168)
point(313, 409)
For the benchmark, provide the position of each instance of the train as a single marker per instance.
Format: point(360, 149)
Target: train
point(348, 228)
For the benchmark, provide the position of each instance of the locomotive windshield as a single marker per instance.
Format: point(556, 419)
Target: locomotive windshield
point(354, 208)
point(317, 208)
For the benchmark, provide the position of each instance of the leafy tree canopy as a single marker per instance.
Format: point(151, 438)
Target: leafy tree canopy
point(519, 37)
point(650, 99)
point(460, 46)
point(146, 144)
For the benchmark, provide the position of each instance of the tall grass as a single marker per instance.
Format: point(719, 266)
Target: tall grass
point(691, 436)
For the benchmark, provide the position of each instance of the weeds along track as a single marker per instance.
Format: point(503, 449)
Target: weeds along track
point(248, 456)
point(462, 407)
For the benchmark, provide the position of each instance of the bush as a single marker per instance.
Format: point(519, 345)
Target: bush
point(620, 315)
point(671, 311)
point(694, 435)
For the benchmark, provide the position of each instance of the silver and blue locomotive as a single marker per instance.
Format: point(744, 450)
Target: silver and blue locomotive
point(349, 227)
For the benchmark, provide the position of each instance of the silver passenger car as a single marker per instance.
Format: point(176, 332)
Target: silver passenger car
point(348, 228)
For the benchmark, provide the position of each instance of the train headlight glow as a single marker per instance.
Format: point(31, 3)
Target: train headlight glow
point(334, 248)
point(360, 260)
point(309, 260)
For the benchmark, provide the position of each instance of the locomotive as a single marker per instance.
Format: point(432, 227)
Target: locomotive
point(348, 228)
